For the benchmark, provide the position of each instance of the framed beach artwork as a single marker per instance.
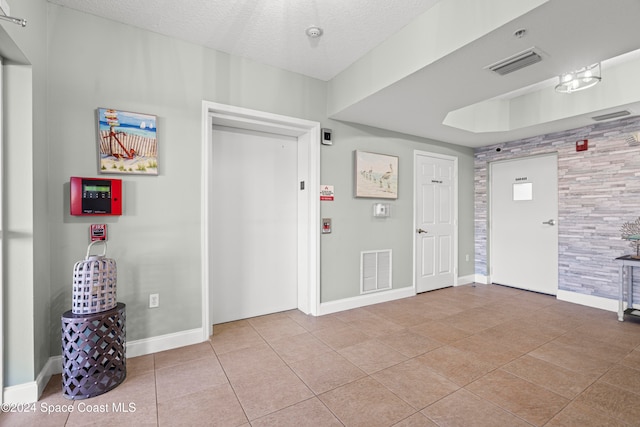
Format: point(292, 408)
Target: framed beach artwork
point(127, 142)
point(376, 175)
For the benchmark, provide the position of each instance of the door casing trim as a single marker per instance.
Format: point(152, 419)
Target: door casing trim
point(308, 135)
point(417, 153)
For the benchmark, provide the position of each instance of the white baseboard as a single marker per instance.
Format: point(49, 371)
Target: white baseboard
point(364, 300)
point(481, 278)
point(465, 280)
point(588, 300)
point(31, 391)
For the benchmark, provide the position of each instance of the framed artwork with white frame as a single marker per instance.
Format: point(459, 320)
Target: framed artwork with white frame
point(376, 175)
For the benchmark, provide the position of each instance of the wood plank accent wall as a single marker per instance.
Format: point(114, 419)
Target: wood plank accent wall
point(598, 191)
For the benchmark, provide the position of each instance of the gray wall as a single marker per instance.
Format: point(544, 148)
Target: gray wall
point(81, 62)
point(598, 191)
point(354, 227)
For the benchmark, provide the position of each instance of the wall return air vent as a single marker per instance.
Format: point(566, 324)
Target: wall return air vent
point(515, 62)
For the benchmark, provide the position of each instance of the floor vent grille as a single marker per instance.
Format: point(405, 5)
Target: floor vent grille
point(375, 271)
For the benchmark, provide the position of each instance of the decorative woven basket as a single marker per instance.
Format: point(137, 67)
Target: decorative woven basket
point(94, 283)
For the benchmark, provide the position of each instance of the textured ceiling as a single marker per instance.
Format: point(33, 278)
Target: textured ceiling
point(269, 31)
point(438, 86)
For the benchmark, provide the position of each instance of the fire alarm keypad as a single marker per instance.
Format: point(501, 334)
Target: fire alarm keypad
point(96, 196)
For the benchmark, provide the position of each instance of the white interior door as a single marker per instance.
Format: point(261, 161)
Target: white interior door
point(523, 223)
point(254, 224)
point(436, 221)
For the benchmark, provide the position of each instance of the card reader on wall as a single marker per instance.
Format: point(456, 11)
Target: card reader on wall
point(96, 196)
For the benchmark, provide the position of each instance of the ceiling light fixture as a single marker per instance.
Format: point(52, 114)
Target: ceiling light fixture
point(314, 32)
point(18, 21)
point(583, 78)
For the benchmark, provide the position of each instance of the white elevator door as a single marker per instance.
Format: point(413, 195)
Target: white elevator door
point(254, 256)
point(524, 231)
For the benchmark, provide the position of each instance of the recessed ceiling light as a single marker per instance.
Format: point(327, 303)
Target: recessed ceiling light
point(520, 33)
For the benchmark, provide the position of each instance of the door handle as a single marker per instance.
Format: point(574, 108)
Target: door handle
point(420, 231)
point(550, 222)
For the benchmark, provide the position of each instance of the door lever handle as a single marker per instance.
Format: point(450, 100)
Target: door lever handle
point(420, 230)
point(550, 222)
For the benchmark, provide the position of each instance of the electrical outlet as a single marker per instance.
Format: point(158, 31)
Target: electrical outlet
point(466, 258)
point(154, 300)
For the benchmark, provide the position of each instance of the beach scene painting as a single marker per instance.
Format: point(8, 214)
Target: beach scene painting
point(127, 142)
point(376, 175)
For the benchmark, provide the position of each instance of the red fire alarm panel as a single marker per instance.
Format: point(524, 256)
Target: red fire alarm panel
point(582, 145)
point(96, 196)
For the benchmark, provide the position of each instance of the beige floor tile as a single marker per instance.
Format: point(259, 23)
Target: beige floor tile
point(250, 361)
point(489, 350)
point(455, 365)
point(579, 415)
point(416, 420)
point(309, 412)
point(316, 323)
point(366, 402)
point(221, 328)
point(572, 358)
point(464, 409)
point(140, 365)
point(415, 383)
point(440, 331)
point(376, 326)
point(235, 338)
point(356, 314)
point(476, 319)
point(584, 343)
point(215, 406)
point(326, 372)
point(632, 359)
point(372, 355)
point(267, 393)
point(623, 377)
point(131, 403)
point(340, 338)
point(176, 356)
point(409, 343)
point(277, 327)
point(612, 401)
point(581, 368)
point(526, 400)
point(189, 377)
point(299, 347)
point(52, 410)
point(520, 336)
point(552, 377)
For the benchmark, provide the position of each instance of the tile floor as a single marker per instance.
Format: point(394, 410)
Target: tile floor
point(482, 355)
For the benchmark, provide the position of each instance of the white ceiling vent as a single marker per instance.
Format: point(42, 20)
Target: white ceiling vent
point(515, 62)
point(615, 115)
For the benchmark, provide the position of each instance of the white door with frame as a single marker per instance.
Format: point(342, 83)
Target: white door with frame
point(523, 223)
point(254, 224)
point(436, 221)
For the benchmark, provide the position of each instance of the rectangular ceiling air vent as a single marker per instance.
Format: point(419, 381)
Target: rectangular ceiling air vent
point(615, 115)
point(515, 62)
